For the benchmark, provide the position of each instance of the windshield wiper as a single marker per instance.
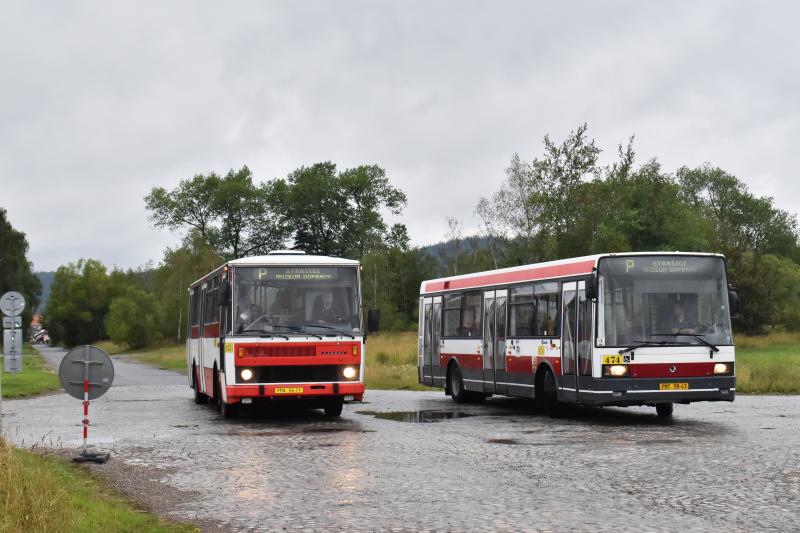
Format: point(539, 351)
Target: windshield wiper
point(643, 344)
point(264, 333)
point(695, 336)
point(323, 326)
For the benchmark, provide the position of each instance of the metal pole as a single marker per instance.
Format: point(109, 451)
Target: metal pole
point(85, 420)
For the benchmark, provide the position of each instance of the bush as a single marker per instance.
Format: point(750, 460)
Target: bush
point(134, 319)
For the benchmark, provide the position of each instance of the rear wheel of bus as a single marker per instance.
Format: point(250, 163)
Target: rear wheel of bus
point(199, 397)
point(546, 394)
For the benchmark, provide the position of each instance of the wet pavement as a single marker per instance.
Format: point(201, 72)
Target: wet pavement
point(416, 461)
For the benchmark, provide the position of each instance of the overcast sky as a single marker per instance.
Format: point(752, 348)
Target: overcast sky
point(101, 101)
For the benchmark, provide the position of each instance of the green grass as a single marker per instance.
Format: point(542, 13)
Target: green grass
point(392, 361)
point(768, 364)
point(36, 377)
point(42, 494)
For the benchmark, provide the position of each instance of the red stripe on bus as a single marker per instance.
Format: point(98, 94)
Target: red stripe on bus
point(519, 364)
point(500, 278)
point(662, 370)
point(211, 331)
point(195, 332)
point(295, 361)
point(466, 360)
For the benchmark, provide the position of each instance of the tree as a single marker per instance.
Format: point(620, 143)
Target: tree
point(134, 318)
point(337, 213)
point(15, 270)
point(79, 301)
point(233, 214)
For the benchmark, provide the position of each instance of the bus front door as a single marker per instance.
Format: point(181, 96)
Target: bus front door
point(576, 334)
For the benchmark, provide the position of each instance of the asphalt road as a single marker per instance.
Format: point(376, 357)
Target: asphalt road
point(432, 465)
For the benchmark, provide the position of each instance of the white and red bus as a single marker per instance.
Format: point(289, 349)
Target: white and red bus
point(285, 326)
point(610, 329)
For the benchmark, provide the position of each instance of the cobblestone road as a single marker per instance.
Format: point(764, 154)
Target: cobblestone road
point(497, 466)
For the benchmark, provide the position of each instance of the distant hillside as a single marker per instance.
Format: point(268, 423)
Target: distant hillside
point(47, 280)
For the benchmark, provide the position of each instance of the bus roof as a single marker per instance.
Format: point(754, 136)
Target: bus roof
point(533, 272)
point(278, 259)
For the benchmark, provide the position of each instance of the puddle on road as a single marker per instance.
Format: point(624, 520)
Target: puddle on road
point(503, 441)
point(657, 441)
point(417, 417)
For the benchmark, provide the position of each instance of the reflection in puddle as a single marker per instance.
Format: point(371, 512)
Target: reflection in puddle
point(417, 416)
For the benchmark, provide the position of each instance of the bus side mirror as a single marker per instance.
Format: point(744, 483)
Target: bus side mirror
point(591, 287)
point(733, 301)
point(373, 319)
point(224, 294)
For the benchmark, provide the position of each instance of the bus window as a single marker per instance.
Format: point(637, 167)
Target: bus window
point(546, 305)
point(521, 311)
point(452, 315)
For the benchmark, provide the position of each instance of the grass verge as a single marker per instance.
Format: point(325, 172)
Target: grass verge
point(36, 377)
point(768, 364)
point(43, 494)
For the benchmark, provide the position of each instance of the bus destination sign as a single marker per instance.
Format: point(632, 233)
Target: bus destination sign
point(299, 274)
point(667, 265)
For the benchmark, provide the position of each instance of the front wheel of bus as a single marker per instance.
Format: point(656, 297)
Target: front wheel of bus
point(334, 409)
point(664, 409)
point(456, 383)
point(548, 400)
point(199, 397)
point(228, 410)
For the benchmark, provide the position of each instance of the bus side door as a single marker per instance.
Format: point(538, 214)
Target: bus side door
point(494, 342)
point(431, 338)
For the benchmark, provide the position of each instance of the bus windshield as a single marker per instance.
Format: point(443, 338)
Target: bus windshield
point(295, 299)
point(663, 300)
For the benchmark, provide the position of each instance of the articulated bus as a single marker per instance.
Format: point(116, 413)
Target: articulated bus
point(611, 329)
point(285, 326)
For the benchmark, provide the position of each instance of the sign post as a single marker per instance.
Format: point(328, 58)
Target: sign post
point(86, 373)
point(12, 304)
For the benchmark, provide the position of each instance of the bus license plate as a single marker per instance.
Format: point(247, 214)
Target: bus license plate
point(288, 390)
point(673, 386)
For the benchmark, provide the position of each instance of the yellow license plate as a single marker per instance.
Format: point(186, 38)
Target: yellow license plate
point(673, 386)
point(613, 360)
point(288, 390)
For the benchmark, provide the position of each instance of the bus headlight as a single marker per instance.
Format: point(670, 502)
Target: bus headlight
point(349, 372)
point(723, 369)
point(246, 374)
point(615, 371)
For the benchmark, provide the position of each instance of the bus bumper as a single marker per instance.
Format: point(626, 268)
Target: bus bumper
point(348, 392)
point(644, 391)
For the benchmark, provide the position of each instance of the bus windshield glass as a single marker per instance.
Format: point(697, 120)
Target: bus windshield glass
point(662, 300)
point(296, 299)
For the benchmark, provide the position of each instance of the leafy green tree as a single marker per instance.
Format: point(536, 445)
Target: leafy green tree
point(15, 270)
point(338, 213)
point(79, 301)
point(134, 318)
point(232, 213)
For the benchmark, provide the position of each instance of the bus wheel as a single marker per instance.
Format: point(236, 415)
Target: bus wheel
point(456, 383)
point(548, 401)
point(199, 397)
point(334, 409)
point(664, 409)
point(228, 410)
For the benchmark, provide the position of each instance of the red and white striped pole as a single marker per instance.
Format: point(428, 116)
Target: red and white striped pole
point(85, 416)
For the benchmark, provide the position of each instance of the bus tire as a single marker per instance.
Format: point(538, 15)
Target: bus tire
point(548, 400)
point(456, 385)
point(199, 397)
point(664, 409)
point(334, 408)
point(228, 410)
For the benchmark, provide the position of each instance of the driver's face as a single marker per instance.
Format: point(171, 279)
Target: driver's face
point(327, 299)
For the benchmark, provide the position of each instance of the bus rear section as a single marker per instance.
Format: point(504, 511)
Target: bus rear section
point(628, 329)
point(277, 329)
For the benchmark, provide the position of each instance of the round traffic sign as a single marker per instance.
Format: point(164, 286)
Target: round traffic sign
point(12, 303)
point(86, 363)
